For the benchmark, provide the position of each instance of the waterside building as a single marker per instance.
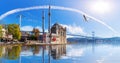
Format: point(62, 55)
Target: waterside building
point(58, 34)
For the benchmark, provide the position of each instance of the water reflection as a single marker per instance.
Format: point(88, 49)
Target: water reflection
point(1, 51)
point(46, 53)
point(88, 52)
point(13, 52)
point(36, 49)
point(58, 51)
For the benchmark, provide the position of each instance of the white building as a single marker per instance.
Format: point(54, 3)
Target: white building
point(3, 33)
point(59, 32)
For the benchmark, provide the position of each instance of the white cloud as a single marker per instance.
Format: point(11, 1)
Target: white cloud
point(27, 28)
point(58, 8)
point(74, 29)
point(30, 28)
point(26, 53)
point(71, 29)
point(73, 53)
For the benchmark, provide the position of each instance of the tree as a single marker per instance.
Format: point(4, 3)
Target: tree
point(1, 51)
point(15, 31)
point(14, 53)
point(36, 33)
point(1, 31)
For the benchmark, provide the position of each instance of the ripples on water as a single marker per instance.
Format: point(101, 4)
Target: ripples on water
point(99, 52)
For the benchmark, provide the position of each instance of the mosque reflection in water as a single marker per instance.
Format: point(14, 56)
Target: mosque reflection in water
point(58, 51)
point(16, 52)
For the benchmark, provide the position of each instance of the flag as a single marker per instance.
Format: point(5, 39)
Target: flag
point(54, 39)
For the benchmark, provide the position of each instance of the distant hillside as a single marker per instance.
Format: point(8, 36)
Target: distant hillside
point(89, 39)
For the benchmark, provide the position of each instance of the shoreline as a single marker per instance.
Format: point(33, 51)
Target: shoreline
point(29, 43)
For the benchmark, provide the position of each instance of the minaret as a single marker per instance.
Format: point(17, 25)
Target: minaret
point(49, 22)
point(49, 30)
point(43, 19)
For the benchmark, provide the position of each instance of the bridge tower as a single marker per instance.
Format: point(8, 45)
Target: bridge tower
point(93, 35)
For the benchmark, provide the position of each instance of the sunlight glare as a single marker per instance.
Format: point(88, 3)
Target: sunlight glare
point(101, 6)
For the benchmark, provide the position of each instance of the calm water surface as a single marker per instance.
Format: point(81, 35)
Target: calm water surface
point(100, 52)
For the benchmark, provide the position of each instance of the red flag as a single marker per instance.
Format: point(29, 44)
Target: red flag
point(54, 39)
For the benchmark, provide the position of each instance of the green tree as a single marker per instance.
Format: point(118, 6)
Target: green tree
point(36, 33)
point(1, 31)
point(1, 50)
point(15, 31)
point(14, 53)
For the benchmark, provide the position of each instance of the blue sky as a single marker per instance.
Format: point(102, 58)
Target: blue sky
point(73, 21)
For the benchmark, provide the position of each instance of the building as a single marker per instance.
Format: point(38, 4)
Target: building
point(6, 36)
point(58, 33)
point(24, 36)
point(9, 37)
point(3, 33)
point(44, 37)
